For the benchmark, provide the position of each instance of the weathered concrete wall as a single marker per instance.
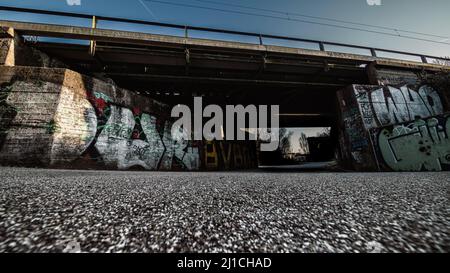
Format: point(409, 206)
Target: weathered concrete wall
point(354, 141)
point(395, 128)
point(384, 76)
point(14, 51)
point(59, 118)
point(6, 52)
point(392, 76)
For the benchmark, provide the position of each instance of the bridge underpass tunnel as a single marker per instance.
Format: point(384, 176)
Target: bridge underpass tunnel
point(307, 117)
point(304, 88)
point(372, 124)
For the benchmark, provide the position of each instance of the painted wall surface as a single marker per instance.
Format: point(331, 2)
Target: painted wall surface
point(82, 123)
point(394, 128)
point(387, 105)
point(422, 145)
point(118, 137)
point(56, 117)
point(354, 139)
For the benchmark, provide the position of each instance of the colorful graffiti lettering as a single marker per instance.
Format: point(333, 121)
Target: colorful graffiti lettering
point(128, 138)
point(116, 136)
point(423, 145)
point(81, 128)
point(116, 145)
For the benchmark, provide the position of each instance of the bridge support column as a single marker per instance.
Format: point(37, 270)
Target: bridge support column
point(7, 47)
point(16, 51)
point(93, 43)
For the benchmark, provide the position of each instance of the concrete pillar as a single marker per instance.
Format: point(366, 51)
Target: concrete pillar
point(7, 47)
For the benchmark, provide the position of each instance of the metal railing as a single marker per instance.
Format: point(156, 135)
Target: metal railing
point(321, 44)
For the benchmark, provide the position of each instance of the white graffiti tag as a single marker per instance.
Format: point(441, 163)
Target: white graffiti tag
point(422, 145)
point(392, 105)
point(188, 155)
point(116, 146)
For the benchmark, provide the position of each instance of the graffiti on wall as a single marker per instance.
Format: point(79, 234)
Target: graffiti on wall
point(358, 142)
point(355, 133)
point(117, 136)
point(228, 155)
point(7, 113)
point(92, 130)
point(128, 137)
point(423, 145)
point(73, 127)
point(389, 105)
point(120, 141)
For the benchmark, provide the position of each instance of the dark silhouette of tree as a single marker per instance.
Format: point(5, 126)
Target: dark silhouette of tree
point(326, 132)
point(285, 140)
point(303, 143)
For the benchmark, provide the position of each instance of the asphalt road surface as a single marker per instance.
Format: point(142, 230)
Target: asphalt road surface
point(110, 211)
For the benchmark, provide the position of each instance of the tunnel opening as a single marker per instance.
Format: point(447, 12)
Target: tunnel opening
point(302, 148)
point(307, 112)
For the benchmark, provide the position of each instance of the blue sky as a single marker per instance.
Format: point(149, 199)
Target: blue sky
point(416, 15)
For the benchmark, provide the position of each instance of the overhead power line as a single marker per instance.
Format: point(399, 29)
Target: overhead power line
point(149, 11)
point(295, 20)
point(287, 13)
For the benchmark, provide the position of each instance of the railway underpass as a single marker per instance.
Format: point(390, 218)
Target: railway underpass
point(80, 80)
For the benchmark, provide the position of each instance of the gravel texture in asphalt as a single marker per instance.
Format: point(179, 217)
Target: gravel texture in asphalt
point(112, 211)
